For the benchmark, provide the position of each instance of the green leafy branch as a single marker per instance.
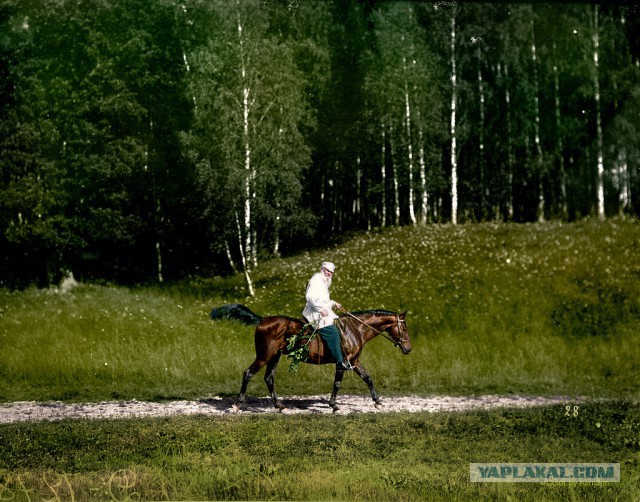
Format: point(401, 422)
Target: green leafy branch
point(298, 347)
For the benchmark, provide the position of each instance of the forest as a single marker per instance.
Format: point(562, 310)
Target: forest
point(154, 140)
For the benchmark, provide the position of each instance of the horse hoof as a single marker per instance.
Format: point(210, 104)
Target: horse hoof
point(378, 404)
point(334, 407)
point(279, 406)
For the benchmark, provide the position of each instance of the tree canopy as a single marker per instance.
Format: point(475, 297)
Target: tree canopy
point(154, 139)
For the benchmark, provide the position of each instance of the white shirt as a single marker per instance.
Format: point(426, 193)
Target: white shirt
point(318, 298)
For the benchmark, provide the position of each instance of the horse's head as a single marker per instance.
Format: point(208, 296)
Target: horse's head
point(400, 334)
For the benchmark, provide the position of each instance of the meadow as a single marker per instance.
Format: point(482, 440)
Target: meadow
point(536, 309)
point(373, 457)
point(550, 309)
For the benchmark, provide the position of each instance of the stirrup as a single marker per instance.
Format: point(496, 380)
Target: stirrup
point(345, 366)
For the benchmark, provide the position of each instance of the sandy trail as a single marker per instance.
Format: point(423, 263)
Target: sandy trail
point(33, 411)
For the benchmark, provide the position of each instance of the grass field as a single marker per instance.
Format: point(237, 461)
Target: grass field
point(544, 309)
point(360, 457)
point(549, 309)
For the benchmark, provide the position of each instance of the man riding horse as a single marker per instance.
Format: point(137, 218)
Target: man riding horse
point(273, 333)
point(319, 311)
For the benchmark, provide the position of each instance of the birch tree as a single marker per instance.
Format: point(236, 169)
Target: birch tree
point(564, 209)
point(587, 34)
point(536, 122)
point(510, 155)
point(595, 37)
point(623, 133)
point(409, 139)
point(247, 84)
point(481, 145)
point(226, 83)
point(401, 83)
point(380, 117)
point(519, 102)
point(453, 126)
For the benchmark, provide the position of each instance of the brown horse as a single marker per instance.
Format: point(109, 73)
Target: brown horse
point(273, 333)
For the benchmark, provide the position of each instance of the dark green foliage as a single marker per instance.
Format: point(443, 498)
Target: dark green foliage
point(298, 347)
point(124, 148)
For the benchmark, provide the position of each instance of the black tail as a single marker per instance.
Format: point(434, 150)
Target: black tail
point(236, 312)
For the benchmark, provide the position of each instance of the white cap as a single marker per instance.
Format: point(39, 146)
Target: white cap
point(329, 266)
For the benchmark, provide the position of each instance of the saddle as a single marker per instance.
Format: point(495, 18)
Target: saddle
point(308, 331)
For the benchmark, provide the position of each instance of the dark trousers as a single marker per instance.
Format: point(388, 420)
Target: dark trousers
point(331, 336)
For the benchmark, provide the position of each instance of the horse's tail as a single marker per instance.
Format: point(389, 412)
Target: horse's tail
point(237, 312)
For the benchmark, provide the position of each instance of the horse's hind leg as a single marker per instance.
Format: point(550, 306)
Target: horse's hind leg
point(247, 376)
point(270, 379)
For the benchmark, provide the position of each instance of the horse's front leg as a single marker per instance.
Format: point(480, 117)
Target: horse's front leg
point(362, 373)
point(336, 388)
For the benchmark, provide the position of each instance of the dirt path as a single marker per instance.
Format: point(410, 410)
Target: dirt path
point(33, 411)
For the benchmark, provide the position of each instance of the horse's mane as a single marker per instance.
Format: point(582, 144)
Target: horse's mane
point(297, 319)
point(373, 312)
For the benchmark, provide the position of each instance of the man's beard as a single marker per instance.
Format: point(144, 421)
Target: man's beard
point(327, 281)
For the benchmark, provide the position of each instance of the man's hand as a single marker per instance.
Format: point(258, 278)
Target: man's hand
point(324, 312)
point(337, 305)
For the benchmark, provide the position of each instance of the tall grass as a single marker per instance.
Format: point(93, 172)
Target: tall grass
point(550, 309)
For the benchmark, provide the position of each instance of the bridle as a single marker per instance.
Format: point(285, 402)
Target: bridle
point(399, 322)
point(402, 339)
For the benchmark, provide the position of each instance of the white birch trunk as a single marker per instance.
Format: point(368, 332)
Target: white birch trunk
point(454, 98)
point(396, 187)
point(423, 177)
point(276, 223)
point(483, 187)
point(158, 245)
point(538, 145)
point(159, 256)
point(254, 245)
point(188, 68)
point(246, 250)
point(229, 257)
point(184, 56)
point(243, 260)
point(383, 174)
point(621, 173)
point(407, 118)
point(276, 239)
point(157, 211)
point(357, 203)
point(596, 85)
point(564, 209)
point(510, 154)
point(276, 232)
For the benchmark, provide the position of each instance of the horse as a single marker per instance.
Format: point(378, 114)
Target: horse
point(273, 335)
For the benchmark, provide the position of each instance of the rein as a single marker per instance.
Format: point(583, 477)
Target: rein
point(397, 343)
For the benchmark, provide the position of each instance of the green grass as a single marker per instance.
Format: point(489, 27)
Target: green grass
point(548, 309)
point(360, 457)
point(529, 309)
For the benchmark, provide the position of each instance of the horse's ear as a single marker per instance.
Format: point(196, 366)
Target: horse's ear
point(403, 314)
